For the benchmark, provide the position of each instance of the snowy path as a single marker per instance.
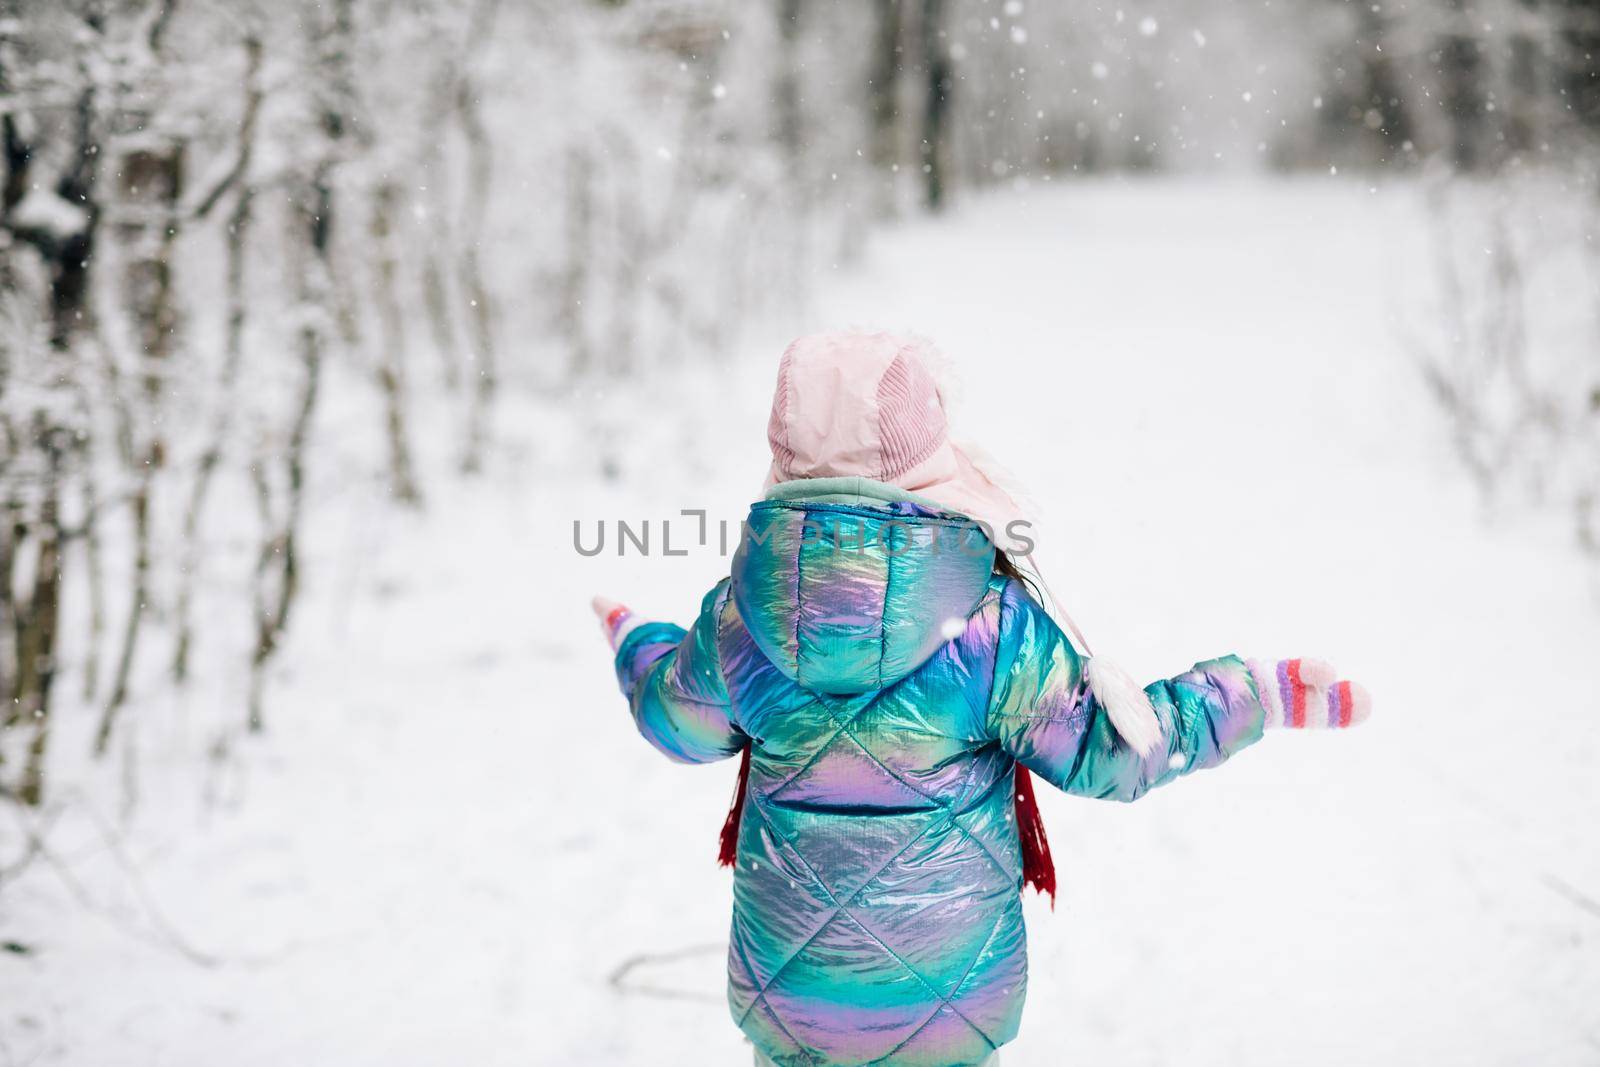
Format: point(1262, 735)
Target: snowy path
point(451, 840)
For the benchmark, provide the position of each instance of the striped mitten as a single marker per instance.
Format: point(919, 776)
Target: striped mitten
point(615, 619)
point(1306, 694)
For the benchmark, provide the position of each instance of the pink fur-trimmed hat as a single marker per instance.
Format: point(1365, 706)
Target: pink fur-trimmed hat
point(859, 404)
point(867, 405)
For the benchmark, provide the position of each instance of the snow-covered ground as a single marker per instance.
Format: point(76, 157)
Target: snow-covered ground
point(451, 848)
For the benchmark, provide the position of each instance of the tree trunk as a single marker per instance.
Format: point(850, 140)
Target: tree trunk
point(786, 89)
point(151, 185)
point(480, 320)
point(392, 360)
point(1385, 115)
point(938, 85)
point(48, 441)
point(1461, 77)
point(1580, 81)
point(36, 652)
point(277, 578)
point(276, 582)
point(237, 310)
point(94, 578)
point(883, 90)
point(884, 85)
point(571, 319)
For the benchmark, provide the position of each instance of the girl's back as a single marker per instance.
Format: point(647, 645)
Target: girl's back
point(884, 683)
point(876, 905)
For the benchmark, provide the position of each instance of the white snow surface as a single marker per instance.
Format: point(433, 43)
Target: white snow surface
point(450, 840)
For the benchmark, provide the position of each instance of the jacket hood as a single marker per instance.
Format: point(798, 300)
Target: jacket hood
point(847, 585)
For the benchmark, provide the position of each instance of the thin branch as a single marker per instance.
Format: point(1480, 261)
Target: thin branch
point(159, 24)
point(165, 935)
point(618, 979)
point(247, 132)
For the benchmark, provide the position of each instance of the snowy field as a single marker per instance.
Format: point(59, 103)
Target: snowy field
point(451, 847)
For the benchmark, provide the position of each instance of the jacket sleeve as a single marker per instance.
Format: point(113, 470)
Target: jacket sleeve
point(1043, 714)
point(673, 681)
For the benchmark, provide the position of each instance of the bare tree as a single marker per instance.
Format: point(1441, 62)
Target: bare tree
point(573, 287)
point(883, 94)
point(279, 476)
point(143, 141)
point(56, 216)
point(239, 181)
point(480, 318)
point(151, 184)
point(391, 363)
point(438, 292)
point(938, 83)
point(790, 123)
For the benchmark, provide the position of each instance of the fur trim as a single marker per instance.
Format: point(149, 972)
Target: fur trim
point(952, 393)
point(1317, 673)
point(1265, 674)
point(999, 475)
point(1127, 706)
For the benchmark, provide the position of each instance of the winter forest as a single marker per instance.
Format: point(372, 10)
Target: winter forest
point(322, 323)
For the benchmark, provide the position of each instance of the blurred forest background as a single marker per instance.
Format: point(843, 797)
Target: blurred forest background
point(224, 223)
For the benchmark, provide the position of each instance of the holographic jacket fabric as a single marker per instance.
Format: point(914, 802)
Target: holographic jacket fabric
point(887, 681)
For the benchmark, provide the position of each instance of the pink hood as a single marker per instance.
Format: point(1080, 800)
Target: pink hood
point(855, 404)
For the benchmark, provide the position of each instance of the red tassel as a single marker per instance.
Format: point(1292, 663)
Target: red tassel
point(1038, 869)
point(728, 854)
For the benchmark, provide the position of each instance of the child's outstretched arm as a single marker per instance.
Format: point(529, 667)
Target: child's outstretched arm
point(1043, 713)
point(673, 680)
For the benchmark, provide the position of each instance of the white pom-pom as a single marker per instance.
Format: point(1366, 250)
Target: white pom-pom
point(1126, 705)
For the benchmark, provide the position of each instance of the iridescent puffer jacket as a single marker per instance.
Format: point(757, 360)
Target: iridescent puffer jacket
point(887, 681)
